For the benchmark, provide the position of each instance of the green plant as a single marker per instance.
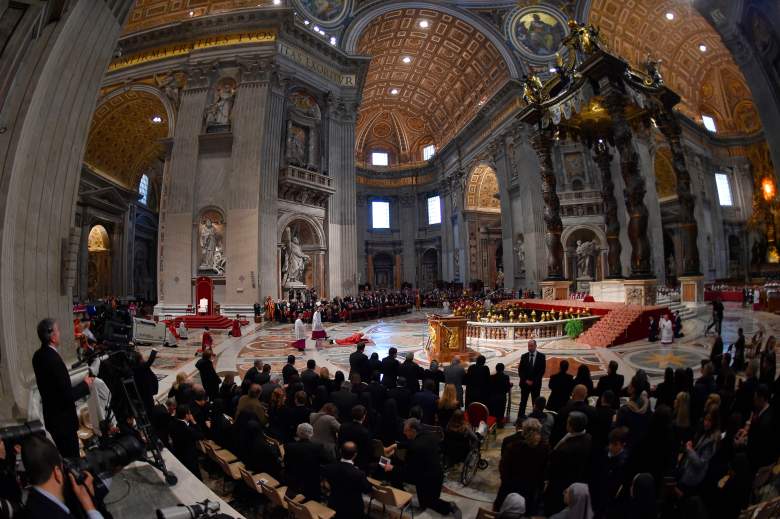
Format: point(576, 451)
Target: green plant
point(574, 328)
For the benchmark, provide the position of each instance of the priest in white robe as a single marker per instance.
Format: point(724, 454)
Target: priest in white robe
point(317, 331)
point(666, 329)
point(300, 334)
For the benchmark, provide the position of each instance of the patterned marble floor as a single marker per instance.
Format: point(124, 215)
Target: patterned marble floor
point(408, 334)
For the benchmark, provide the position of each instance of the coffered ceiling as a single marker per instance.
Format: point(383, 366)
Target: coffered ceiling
point(707, 78)
point(450, 70)
point(124, 140)
point(154, 13)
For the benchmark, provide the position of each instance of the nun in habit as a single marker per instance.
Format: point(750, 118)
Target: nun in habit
point(317, 331)
point(300, 334)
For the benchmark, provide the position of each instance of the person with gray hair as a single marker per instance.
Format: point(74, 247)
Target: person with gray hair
point(455, 374)
point(302, 460)
point(568, 461)
point(522, 466)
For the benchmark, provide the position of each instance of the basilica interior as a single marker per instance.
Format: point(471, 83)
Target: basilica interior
point(441, 178)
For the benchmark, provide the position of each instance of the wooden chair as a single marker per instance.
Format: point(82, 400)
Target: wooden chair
point(276, 497)
point(483, 513)
point(390, 496)
point(309, 510)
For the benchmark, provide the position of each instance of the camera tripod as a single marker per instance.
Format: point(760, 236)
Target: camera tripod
point(153, 454)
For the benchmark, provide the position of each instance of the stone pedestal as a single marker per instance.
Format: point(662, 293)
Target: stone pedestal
point(554, 290)
point(691, 290)
point(611, 290)
point(640, 291)
point(584, 283)
point(294, 289)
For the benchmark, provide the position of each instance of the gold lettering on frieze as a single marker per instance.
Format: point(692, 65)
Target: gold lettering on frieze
point(307, 61)
point(179, 49)
point(395, 182)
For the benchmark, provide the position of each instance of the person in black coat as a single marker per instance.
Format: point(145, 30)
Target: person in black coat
point(434, 373)
point(208, 375)
point(347, 484)
point(477, 382)
point(374, 364)
point(762, 447)
point(344, 399)
point(145, 379)
point(612, 381)
point(402, 397)
point(289, 369)
point(253, 373)
point(58, 397)
point(185, 435)
point(427, 400)
point(652, 330)
point(354, 431)
point(568, 462)
point(561, 385)
point(531, 371)
point(390, 368)
point(300, 458)
point(412, 372)
point(499, 388)
point(45, 473)
point(358, 362)
point(310, 378)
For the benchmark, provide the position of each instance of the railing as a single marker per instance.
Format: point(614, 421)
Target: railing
point(523, 331)
point(296, 173)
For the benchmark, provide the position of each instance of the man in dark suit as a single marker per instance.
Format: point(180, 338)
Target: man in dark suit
point(208, 375)
point(58, 397)
point(310, 377)
point(44, 471)
point(345, 400)
point(568, 462)
point(762, 436)
point(577, 402)
point(300, 458)
point(354, 431)
point(402, 397)
point(412, 372)
point(358, 362)
point(611, 381)
point(347, 484)
point(254, 372)
point(289, 369)
point(390, 369)
point(478, 382)
point(531, 371)
point(185, 435)
point(427, 401)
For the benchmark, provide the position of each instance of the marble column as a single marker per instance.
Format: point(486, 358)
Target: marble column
point(370, 269)
point(615, 103)
point(342, 206)
point(670, 127)
point(541, 141)
point(243, 218)
point(500, 159)
point(408, 224)
point(603, 159)
point(447, 242)
point(175, 237)
point(271, 146)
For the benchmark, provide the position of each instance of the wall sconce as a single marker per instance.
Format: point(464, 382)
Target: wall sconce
point(768, 189)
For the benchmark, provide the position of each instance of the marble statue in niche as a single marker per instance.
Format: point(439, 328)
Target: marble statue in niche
point(210, 244)
point(218, 113)
point(297, 146)
point(293, 259)
point(519, 250)
point(585, 252)
point(303, 131)
point(171, 86)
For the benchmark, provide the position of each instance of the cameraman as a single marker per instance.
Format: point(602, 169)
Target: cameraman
point(48, 477)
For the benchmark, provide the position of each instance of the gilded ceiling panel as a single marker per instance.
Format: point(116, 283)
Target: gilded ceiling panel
point(482, 190)
point(706, 80)
point(153, 13)
point(124, 138)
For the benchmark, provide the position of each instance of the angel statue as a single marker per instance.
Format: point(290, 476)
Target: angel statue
point(293, 259)
point(171, 86)
point(585, 251)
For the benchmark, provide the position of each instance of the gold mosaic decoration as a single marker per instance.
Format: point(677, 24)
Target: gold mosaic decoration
point(154, 13)
point(482, 190)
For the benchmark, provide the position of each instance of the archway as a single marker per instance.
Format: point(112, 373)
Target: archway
point(99, 263)
point(383, 271)
point(309, 236)
point(429, 269)
point(482, 214)
point(583, 250)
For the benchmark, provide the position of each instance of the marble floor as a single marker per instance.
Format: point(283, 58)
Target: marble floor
point(408, 334)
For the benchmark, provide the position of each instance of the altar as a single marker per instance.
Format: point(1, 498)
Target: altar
point(447, 338)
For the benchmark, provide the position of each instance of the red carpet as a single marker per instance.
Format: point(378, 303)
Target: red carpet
point(214, 322)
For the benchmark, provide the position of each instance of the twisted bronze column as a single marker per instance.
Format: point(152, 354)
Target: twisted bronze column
point(541, 141)
point(603, 159)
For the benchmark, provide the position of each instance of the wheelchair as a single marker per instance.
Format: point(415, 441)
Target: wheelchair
point(467, 450)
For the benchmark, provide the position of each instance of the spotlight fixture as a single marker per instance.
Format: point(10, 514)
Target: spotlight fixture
point(316, 28)
point(406, 59)
point(306, 22)
point(702, 47)
point(424, 24)
point(670, 16)
point(333, 40)
point(156, 119)
point(192, 13)
point(394, 91)
point(553, 70)
point(277, 2)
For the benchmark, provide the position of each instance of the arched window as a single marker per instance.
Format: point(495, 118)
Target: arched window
point(143, 190)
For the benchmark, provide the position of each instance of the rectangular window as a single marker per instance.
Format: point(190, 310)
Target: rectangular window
point(724, 190)
point(434, 210)
point(429, 151)
point(709, 123)
point(380, 158)
point(380, 215)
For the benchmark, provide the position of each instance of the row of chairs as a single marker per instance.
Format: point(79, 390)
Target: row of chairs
point(265, 485)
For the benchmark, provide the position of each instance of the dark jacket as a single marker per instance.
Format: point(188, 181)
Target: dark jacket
point(413, 373)
point(477, 384)
point(209, 377)
point(288, 371)
point(300, 459)
point(345, 401)
point(561, 385)
point(612, 383)
point(58, 398)
point(423, 459)
point(389, 371)
point(528, 372)
point(184, 438)
point(358, 363)
point(568, 464)
point(762, 440)
point(309, 379)
point(352, 431)
point(347, 486)
point(427, 402)
point(39, 505)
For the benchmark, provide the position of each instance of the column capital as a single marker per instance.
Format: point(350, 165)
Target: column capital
point(254, 69)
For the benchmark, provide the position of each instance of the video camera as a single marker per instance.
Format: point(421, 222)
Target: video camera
point(112, 456)
point(17, 433)
point(113, 327)
point(197, 511)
